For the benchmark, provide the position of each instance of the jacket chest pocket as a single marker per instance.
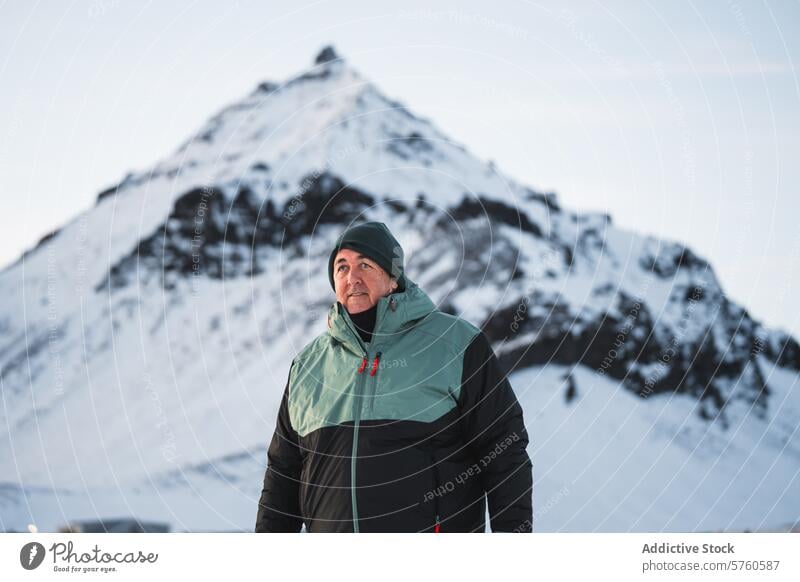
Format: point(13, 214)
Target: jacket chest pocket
point(408, 393)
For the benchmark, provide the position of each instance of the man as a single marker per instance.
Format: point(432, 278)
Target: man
point(397, 418)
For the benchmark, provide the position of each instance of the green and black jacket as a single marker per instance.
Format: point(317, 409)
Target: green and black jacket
point(411, 432)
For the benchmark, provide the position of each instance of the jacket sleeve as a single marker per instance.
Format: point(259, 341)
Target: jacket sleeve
point(493, 428)
point(279, 506)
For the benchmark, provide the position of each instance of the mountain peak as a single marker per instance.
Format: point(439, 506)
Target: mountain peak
point(326, 55)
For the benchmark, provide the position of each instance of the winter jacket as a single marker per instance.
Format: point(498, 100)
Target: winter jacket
point(412, 432)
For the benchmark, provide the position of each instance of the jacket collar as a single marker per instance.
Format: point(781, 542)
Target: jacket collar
point(395, 313)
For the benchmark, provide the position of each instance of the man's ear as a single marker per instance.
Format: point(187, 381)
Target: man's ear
point(393, 284)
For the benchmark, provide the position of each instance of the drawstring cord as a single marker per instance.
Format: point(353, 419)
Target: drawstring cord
point(375, 364)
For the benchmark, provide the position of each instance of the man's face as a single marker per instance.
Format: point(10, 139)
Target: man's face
point(359, 281)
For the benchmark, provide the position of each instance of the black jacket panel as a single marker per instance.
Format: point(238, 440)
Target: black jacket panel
point(494, 430)
point(279, 506)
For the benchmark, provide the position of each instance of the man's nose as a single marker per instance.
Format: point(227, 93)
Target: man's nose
point(353, 277)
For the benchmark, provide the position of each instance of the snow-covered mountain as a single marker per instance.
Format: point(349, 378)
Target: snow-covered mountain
point(145, 345)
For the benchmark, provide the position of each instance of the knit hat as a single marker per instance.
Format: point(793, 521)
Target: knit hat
point(373, 240)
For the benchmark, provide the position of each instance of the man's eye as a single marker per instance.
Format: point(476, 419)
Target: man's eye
point(341, 267)
point(366, 265)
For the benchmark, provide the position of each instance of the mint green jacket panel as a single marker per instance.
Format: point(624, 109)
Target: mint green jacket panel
point(418, 376)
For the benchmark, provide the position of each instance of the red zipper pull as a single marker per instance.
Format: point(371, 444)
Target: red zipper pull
point(437, 528)
point(375, 365)
point(363, 365)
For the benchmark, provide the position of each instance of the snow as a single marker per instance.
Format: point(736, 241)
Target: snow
point(617, 462)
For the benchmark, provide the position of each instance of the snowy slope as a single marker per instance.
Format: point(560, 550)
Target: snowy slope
point(145, 344)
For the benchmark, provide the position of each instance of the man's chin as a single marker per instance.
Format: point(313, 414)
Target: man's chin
point(357, 306)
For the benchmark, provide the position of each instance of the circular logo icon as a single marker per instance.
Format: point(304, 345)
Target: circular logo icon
point(31, 555)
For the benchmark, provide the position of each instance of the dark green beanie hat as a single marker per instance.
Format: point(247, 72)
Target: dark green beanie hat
point(373, 240)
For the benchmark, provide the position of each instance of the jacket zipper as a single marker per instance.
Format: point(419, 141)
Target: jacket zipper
point(360, 389)
point(373, 371)
point(436, 525)
point(360, 378)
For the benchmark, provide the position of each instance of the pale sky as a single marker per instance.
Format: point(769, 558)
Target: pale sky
point(680, 119)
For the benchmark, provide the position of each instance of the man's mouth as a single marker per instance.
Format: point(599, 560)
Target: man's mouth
point(356, 294)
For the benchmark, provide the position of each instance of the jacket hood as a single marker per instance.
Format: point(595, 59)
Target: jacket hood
point(395, 313)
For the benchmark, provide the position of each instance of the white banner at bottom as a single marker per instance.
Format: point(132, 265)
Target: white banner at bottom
point(415, 557)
